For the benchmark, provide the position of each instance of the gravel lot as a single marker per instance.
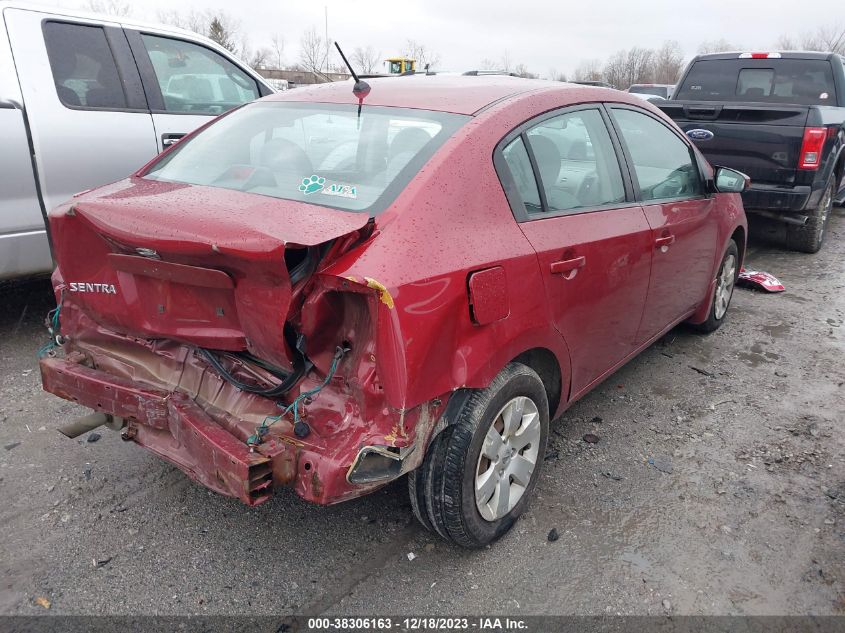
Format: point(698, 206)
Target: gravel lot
point(750, 520)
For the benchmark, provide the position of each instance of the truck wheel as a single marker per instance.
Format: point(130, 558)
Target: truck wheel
point(722, 294)
point(480, 470)
point(809, 238)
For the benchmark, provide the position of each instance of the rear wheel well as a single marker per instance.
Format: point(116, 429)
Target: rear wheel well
point(738, 236)
point(839, 170)
point(544, 362)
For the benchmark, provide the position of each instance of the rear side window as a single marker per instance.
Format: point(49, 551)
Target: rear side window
point(799, 81)
point(196, 80)
point(516, 156)
point(83, 67)
point(662, 162)
point(576, 161)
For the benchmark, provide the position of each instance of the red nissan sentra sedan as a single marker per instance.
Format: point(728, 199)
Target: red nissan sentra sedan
point(301, 294)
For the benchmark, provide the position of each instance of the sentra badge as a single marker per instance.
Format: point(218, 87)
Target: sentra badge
point(78, 286)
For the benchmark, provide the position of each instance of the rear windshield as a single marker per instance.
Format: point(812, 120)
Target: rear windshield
point(801, 81)
point(660, 91)
point(318, 153)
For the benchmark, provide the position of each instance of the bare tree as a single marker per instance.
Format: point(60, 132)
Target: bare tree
point(278, 43)
point(488, 64)
point(555, 75)
point(506, 63)
point(420, 53)
point(717, 46)
point(196, 21)
point(832, 39)
point(828, 39)
point(311, 50)
point(258, 58)
point(366, 60)
point(629, 67)
point(668, 62)
point(521, 70)
point(614, 69)
point(589, 70)
point(117, 8)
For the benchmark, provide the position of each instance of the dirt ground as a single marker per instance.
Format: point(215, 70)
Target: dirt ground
point(717, 486)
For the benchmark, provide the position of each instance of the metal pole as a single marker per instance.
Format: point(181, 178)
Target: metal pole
point(326, 8)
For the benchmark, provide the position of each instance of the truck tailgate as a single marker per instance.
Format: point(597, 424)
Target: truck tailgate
point(763, 141)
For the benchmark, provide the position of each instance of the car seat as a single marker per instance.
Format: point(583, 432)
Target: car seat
point(547, 156)
point(405, 145)
point(287, 160)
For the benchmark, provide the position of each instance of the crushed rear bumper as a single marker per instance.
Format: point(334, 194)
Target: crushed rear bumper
point(175, 428)
point(210, 446)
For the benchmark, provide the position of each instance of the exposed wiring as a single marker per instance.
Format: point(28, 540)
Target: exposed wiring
point(262, 429)
point(288, 381)
point(54, 328)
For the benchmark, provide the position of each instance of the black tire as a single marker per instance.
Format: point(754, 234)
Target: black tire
point(449, 470)
point(416, 486)
point(714, 318)
point(810, 237)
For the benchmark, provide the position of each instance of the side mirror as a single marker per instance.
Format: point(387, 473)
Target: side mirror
point(731, 180)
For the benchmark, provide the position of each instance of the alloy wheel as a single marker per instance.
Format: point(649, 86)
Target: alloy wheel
point(508, 458)
point(725, 285)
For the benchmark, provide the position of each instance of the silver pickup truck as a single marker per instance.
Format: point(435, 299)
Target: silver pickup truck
point(88, 99)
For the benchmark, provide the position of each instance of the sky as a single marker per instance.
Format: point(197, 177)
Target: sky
point(544, 35)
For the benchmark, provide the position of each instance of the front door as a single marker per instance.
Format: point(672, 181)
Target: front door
point(593, 243)
point(681, 217)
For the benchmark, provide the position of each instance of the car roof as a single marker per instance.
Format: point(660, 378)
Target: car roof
point(457, 94)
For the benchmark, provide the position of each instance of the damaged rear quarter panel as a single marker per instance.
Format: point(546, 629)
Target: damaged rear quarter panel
point(453, 219)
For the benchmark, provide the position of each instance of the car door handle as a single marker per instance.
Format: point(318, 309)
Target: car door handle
point(663, 243)
point(169, 139)
point(568, 267)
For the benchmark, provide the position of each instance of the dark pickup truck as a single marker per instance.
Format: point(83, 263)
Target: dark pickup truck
point(779, 118)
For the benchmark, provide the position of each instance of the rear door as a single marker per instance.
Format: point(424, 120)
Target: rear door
point(83, 97)
point(682, 219)
point(593, 244)
point(188, 83)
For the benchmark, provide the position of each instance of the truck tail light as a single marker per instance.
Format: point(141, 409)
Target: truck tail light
point(759, 55)
point(811, 147)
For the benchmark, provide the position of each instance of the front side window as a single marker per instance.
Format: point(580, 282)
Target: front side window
point(577, 162)
point(662, 162)
point(318, 153)
point(83, 67)
point(196, 80)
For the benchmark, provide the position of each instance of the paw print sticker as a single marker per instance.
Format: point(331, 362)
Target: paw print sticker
point(312, 185)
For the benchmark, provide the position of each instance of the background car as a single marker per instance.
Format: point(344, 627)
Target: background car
point(86, 99)
point(262, 316)
point(659, 90)
point(780, 118)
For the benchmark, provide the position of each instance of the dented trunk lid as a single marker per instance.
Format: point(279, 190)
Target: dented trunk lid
point(201, 265)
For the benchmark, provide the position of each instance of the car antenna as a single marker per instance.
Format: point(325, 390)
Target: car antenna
point(361, 88)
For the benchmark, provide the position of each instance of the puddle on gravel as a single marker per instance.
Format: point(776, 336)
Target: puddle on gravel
point(777, 330)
